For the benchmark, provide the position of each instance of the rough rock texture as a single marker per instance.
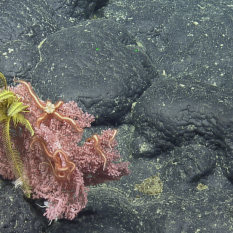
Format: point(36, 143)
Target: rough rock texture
point(106, 80)
point(28, 20)
point(16, 214)
point(175, 124)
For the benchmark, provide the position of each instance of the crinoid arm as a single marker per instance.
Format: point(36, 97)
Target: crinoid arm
point(19, 118)
point(3, 82)
point(14, 158)
point(11, 109)
point(15, 108)
point(4, 95)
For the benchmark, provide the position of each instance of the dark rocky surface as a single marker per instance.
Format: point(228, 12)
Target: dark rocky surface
point(158, 71)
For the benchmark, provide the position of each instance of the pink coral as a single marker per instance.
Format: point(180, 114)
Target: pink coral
point(62, 178)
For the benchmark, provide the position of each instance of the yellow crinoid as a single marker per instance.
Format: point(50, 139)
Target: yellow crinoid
point(11, 109)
